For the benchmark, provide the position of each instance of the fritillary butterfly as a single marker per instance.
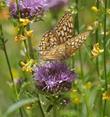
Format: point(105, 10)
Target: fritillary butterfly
point(60, 42)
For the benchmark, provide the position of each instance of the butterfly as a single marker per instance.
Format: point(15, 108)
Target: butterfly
point(60, 42)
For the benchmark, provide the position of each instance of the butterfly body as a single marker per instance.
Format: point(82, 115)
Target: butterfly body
point(60, 43)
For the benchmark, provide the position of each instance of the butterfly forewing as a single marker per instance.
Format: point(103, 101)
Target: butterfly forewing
point(58, 35)
point(64, 27)
point(48, 41)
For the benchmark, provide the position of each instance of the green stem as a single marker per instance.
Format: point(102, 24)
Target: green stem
point(31, 52)
point(104, 59)
point(22, 29)
point(104, 108)
point(88, 115)
point(104, 44)
point(97, 39)
point(54, 111)
point(26, 47)
point(19, 15)
point(40, 105)
point(21, 113)
point(7, 59)
point(9, 67)
point(77, 28)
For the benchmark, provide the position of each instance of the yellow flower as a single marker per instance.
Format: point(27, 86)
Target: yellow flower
point(29, 33)
point(96, 50)
point(93, 26)
point(94, 8)
point(75, 97)
point(87, 85)
point(19, 38)
point(96, 23)
point(76, 100)
point(106, 95)
point(90, 28)
point(74, 91)
point(24, 22)
point(27, 66)
point(108, 11)
point(107, 33)
point(28, 106)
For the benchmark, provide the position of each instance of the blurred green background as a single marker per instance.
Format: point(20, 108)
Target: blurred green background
point(86, 18)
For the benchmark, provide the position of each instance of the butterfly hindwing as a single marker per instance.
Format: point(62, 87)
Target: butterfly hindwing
point(57, 53)
point(75, 42)
point(66, 49)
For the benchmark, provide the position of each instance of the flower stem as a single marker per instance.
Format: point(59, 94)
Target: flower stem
point(54, 111)
point(26, 47)
point(97, 59)
point(7, 59)
point(9, 67)
point(40, 105)
point(77, 28)
point(31, 52)
point(104, 59)
point(97, 39)
point(19, 15)
point(104, 44)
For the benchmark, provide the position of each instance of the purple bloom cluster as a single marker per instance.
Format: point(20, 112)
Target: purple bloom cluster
point(33, 8)
point(53, 77)
point(27, 8)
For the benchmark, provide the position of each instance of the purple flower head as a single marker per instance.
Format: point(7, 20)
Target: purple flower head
point(53, 77)
point(56, 4)
point(27, 8)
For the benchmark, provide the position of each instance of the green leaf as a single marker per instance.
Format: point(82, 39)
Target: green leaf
point(19, 104)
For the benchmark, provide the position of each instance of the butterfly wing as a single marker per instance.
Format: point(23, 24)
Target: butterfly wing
point(75, 42)
point(64, 27)
point(57, 53)
point(48, 41)
point(66, 49)
point(58, 35)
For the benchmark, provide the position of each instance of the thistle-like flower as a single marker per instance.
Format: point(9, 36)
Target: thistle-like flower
point(53, 77)
point(26, 8)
